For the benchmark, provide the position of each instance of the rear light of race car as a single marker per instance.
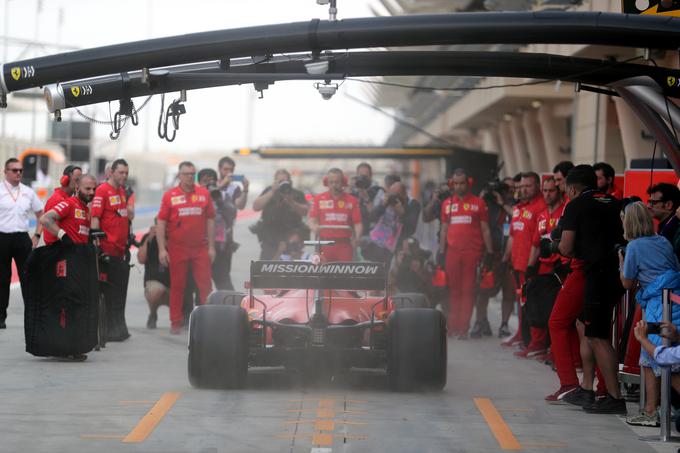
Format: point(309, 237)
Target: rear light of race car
point(318, 336)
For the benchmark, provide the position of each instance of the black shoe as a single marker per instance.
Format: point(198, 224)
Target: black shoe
point(477, 330)
point(580, 397)
point(3, 325)
point(486, 329)
point(151, 321)
point(504, 331)
point(607, 405)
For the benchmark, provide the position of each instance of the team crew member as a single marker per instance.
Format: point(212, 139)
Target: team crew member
point(605, 180)
point(66, 189)
point(109, 214)
point(17, 201)
point(69, 220)
point(464, 236)
point(186, 240)
point(546, 221)
point(560, 173)
point(591, 227)
point(335, 216)
point(522, 227)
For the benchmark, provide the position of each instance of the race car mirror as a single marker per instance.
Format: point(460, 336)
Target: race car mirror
point(365, 276)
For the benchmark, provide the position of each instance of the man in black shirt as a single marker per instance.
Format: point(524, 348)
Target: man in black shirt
point(663, 201)
point(591, 228)
point(282, 208)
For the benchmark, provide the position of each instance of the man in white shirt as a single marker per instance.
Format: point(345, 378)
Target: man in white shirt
point(17, 202)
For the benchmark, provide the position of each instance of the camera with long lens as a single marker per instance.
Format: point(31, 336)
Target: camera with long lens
point(285, 187)
point(362, 182)
point(391, 200)
point(495, 185)
point(444, 194)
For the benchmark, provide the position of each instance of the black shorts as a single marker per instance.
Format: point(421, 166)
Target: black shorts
point(603, 292)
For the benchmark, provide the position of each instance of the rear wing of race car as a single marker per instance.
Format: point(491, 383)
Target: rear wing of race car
point(366, 276)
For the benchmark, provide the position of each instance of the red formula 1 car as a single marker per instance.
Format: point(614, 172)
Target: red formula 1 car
point(314, 316)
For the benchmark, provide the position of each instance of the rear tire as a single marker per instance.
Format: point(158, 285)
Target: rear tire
point(410, 300)
point(225, 297)
point(218, 347)
point(416, 350)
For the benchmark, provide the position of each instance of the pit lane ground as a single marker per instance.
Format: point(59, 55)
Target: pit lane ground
point(134, 397)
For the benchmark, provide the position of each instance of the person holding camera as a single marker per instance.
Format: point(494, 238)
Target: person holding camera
point(293, 248)
point(464, 237)
point(370, 195)
point(186, 240)
point(233, 191)
point(649, 260)
point(335, 216)
point(395, 220)
point(282, 208)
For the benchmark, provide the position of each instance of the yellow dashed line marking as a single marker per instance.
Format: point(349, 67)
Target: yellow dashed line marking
point(152, 418)
point(506, 439)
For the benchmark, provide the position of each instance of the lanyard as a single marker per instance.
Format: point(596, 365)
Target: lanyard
point(9, 191)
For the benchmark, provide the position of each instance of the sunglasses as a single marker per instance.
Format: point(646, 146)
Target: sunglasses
point(16, 170)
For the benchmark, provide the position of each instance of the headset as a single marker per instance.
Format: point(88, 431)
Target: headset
point(345, 180)
point(68, 172)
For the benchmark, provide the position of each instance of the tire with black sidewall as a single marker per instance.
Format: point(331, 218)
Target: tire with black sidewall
point(225, 297)
point(410, 300)
point(416, 350)
point(218, 347)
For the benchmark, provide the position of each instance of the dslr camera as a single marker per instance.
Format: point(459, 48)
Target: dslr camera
point(391, 200)
point(285, 187)
point(362, 182)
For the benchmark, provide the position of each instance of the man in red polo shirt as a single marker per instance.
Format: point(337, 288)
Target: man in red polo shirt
point(522, 227)
point(109, 214)
point(464, 236)
point(546, 221)
point(69, 220)
point(66, 189)
point(186, 240)
point(335, 216)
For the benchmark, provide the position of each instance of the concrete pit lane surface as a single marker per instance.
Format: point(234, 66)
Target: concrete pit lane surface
point(134, 396)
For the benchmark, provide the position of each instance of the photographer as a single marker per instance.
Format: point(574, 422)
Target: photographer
point(433, 208)
point(293, 248)
point(396, 220)
point(412, 272)
point(233, 198)
point(370, 195)
point(282, 209)
point(649, 260)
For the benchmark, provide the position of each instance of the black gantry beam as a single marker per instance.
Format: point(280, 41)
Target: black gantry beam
point(358, 64)
point(656, 32)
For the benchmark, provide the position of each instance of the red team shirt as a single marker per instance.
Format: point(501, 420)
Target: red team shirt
point(110, 206)
point(58, 196)
point(522, 229)
point(74, 219)
point(336, 216)
point(463, 217)
point(186, 214)
point(546, 223)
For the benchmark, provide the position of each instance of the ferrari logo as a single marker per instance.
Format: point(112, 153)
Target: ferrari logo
point(75, 91)
point(466, 207)
point(341, 204)
point(671, 81)
point(16, 73)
